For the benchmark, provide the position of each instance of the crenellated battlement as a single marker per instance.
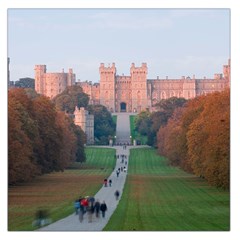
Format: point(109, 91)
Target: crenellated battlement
point(132, 92)
point(51, 84)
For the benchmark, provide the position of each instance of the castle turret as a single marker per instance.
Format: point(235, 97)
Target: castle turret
point(40, 71)
point(107, 86)
point(139, 87)
point(71, 77)
point(85, 120)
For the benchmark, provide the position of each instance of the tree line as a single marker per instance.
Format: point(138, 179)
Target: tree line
point(197, 138)
point(193, 134)
point(40, 138)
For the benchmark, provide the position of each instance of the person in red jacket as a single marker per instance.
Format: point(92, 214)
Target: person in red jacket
point(105, 182)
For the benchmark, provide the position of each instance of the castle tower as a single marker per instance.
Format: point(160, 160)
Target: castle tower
point(107, 86)
point(139, 87)
point(71, 78)
point(52, 84)
point(40, 71)
point(85, 120)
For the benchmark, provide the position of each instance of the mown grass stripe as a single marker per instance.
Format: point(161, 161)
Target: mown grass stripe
point(160, 197)
point(57, 191)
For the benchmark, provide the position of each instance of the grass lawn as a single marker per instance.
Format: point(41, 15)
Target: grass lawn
point(158, 197)
point(114, 118)
point(135, 134)
point(56, 192)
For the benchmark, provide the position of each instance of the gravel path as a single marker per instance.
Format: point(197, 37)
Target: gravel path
point(72, 223)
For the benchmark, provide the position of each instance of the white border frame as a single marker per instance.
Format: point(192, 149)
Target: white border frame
point(235, 119)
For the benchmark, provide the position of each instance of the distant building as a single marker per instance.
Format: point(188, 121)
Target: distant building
point(132, 93)
point(85, 120)
point(135, 92)
point(52, 84)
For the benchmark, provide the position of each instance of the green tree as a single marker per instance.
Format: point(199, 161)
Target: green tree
point(104, 126)
point(142, 122)
point(71, 97)
point(81, 139)
point(25, 83)
point(166, 108)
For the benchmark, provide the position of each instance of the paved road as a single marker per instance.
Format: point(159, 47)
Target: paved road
point(72, 223)
point(123, 128)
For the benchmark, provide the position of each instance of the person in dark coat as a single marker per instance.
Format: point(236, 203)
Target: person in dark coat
point(117, 194)
point(103, 208)
point(97, 208)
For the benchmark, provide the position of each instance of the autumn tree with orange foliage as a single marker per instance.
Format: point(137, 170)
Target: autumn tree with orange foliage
point(208, 140)
point(40, 139)
point(20, 152)
point(197, 138)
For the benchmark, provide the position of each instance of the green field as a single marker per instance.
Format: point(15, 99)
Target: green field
point(114, 118)
point(56, 192)
point(158, 197)
point(135, 134)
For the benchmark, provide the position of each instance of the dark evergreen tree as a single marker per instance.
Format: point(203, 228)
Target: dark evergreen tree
point(71, 97)
point(104, 126)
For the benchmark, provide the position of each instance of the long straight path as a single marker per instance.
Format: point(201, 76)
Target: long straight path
point(123, 128)
point(72, 223)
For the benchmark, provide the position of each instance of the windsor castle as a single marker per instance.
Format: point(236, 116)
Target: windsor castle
point(132, 93)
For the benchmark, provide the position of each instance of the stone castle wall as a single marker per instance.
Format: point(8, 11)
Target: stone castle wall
point(52, 84)
point(132, 93)
point(135, 93)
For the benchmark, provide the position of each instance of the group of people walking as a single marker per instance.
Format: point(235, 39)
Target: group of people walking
point(89, 206)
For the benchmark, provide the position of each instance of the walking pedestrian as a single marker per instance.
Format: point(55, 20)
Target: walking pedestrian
point(110, 182)
point(90, 211)
point(77, 206)
point(97, 208)
point(117, 194)
point(103, 208)
point(81, 212)
point(105, 182)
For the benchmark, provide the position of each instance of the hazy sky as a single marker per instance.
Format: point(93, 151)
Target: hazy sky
point(172, 42)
